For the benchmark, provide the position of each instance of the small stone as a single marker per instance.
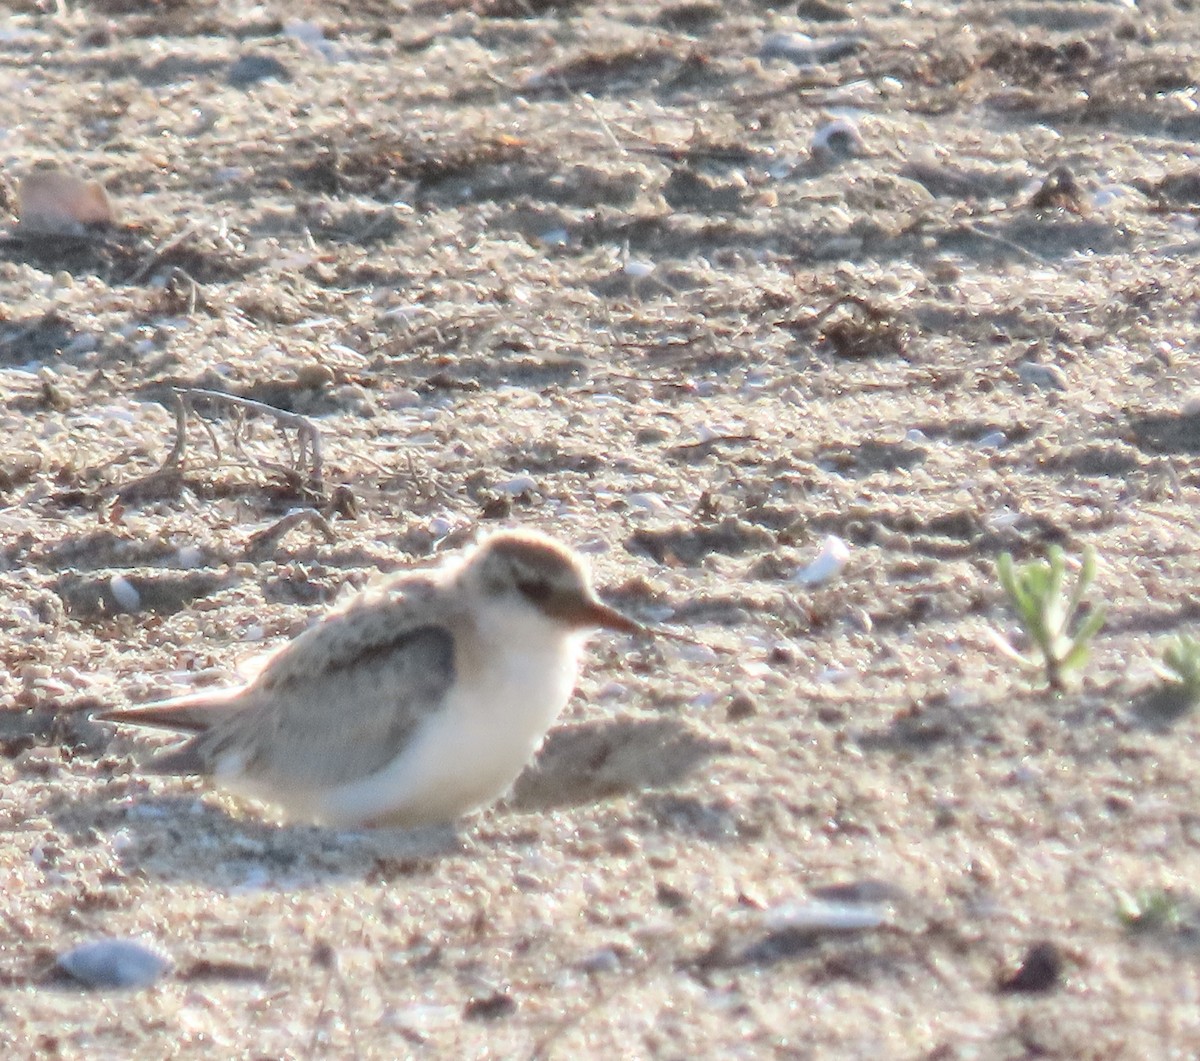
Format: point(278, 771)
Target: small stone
point(1040, 970)
point(246, 70)
point(686, 189)
point(605, 960)
point(55, 201)
point(822, 11)
point(83, 343)
point(740, 707)
point(670, 896)
point(944, 271)
point(314, 376)
point(490, 1007)
point(622, 844)
point(114, 963)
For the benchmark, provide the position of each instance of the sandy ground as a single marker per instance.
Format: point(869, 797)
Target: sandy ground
point(578, 266)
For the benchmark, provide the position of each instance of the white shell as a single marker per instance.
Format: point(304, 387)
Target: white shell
point(833, 557)
point(821, 916)
point(125, 593)
point(838, 137)
point(114, 963)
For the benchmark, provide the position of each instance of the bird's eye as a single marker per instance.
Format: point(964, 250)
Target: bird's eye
point(536, 591)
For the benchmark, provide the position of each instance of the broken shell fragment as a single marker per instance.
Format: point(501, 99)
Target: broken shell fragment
point(839, 138)
point(833, 557)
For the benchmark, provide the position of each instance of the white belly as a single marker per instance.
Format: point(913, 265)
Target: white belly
point(469, 753)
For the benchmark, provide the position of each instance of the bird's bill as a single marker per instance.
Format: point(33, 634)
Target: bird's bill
point(584, 612)
point(610, 619)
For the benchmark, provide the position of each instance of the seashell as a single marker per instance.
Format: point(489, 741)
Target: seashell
point(125, 593)
point(114, 963)
point(839, 138)
point(53, 201)
point(518, 485)
point(824, 916)
point(833, 557)
point(1044, 377)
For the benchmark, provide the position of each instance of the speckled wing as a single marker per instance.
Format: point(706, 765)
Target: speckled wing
point(337, 704)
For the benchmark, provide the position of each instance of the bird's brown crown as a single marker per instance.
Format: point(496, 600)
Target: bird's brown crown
point(528, 562)
point(527, 566)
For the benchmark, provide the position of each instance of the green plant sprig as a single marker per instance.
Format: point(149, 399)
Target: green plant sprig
point(1046, 611)
point(1181, 666)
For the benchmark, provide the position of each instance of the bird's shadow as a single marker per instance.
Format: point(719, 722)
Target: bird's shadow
point(594, 761)
point(204, 837)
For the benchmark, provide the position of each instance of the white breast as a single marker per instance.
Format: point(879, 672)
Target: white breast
point(472, 750)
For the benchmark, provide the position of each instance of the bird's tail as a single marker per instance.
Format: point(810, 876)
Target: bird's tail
point(194, 713)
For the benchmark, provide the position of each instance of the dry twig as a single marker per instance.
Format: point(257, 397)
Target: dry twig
point(265, 541)
point(306, 465)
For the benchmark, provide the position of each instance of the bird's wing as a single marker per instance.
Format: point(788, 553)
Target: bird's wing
point(337, 704)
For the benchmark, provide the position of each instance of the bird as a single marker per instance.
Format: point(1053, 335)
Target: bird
point(417, 701)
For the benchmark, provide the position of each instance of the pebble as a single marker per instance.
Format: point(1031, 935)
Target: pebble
point(605, 960)
point(992, 440)
point(114, 963)
point(314, 375)
point(246, 70)
point(740, 707)
point(822, 11)
point(57, 201)
point(1041, 969)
